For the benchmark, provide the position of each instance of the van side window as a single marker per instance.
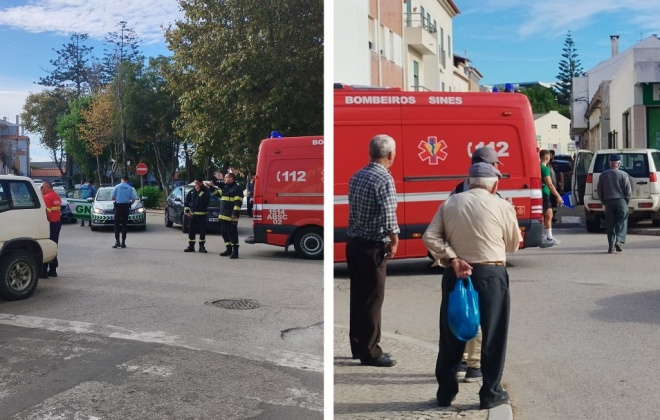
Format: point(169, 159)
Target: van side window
point(19, 196)
point(656, 160)
point(4, 199)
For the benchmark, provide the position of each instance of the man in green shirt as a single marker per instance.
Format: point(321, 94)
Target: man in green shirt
point(547, 188)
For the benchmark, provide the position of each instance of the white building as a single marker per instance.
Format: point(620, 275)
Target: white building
point(553, 133)
point(399, 44)
point(14, 149)
point(617, 103)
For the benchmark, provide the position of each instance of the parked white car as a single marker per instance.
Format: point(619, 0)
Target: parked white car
point(642, 166)
point(24, 237)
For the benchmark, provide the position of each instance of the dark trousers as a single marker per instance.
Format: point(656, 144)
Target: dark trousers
point(197, 225)
point(121, 220)
point(367, 269)
point(250, 205)
point(55, 228)
point(616, 220)
point(229, 231)
point(492, 284)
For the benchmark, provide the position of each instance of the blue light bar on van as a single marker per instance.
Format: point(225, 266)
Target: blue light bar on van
point(275, 135)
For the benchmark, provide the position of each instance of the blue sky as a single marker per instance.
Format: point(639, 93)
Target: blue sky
point(506, 40)
point(522, 40)
point(31, 29)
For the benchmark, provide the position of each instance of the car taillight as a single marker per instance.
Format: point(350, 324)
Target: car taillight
point(653, 176)
point(590, 178)
point(536, 201)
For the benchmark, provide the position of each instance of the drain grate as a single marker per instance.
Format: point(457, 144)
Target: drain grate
point(235, 303)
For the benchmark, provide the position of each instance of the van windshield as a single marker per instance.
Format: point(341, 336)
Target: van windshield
point(635, 164)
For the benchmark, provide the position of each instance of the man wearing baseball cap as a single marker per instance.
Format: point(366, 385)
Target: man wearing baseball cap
point(470, 368)
point(614, 191)
point(470, 234)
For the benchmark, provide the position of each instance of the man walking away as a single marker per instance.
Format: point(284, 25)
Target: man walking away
point(614, 191)
point(373, 238)
point(471, 233)
point(124, 196)
point(53, 213)
point(547, 239)
point(196, 206)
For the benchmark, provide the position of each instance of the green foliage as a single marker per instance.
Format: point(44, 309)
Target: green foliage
point(245, 69)
point(541, 98)
point(74, 145)
point(71, 68)
point(569, 67)
point(153, 194)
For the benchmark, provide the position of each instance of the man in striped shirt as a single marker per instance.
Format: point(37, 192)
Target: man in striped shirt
point(373, 234)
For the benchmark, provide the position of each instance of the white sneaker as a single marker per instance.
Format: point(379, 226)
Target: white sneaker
point(546, 243)
point(555, 241)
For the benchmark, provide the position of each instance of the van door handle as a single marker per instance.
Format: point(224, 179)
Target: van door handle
point(642, 183)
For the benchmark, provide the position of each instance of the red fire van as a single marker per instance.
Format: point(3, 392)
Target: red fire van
point(288, 195)
point(435, 133)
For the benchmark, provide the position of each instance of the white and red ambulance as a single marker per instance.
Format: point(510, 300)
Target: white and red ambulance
point(288, 195)
point(435, 134)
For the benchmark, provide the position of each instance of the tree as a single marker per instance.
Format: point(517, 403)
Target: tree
point(71, 69)
point(245, 69)
point(97, 130)
point(541, 98)
point(40, 114)
point(569, 67)
point(67, 128)
point(125, 50)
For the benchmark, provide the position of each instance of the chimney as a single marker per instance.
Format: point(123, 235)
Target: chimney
point(614, 39)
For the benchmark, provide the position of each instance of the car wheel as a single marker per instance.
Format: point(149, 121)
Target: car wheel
point(19, 276)
point(143, 227)
point(309, 243)
point(184, 224)
point(168, 222)
point(93, 228)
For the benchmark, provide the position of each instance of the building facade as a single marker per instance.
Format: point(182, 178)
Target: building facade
point(553, 133)
point(616, 104)
point(406, 44)
point(14, 149)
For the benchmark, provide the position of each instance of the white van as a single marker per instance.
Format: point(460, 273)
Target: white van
point(642, 166)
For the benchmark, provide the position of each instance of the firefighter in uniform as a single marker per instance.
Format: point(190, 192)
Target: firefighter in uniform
point(231, 198)
point(195, 207)
point(53, 212)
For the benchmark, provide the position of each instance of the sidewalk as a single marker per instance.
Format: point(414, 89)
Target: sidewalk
point(405, 391)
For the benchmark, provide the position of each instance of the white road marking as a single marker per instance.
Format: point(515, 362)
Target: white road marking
point(302, 361)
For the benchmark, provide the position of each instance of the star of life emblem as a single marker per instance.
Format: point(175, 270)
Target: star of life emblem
point(432, 150)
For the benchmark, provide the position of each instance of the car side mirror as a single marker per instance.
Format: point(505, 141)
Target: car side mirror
point(177, 199)
point(90, 200)
point(144, 198)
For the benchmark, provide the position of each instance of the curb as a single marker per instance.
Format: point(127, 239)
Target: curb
point(406, 400)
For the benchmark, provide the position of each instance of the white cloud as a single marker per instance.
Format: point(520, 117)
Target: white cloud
point(96, 18)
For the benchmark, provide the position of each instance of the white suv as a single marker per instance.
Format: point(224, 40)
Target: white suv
point(24, 237)
point(642, 166)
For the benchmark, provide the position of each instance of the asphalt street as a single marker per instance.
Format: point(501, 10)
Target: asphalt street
point(152, 332)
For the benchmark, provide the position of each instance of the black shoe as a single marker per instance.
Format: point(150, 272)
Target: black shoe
point(52, 273)
point(190, 249)
point(503, 399)
point(123, 244)
point(44, 275)
point(444, 403)
point(618, 247)
point(82, 224)
point(611, 250)
point(227, 251)
point(382, 361)
point(202, 249)
point(234, 252)
point(116, 245)
point(355, 356)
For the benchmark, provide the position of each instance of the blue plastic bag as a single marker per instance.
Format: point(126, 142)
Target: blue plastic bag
point(568, 200)
point(463, 310)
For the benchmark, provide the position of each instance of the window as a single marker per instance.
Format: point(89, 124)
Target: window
point(449, 45)
point(553, 126)
point(422, 15)
point(372, 37)
point(390, 45)
point(17, 195)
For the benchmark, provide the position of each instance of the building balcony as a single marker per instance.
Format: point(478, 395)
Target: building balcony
point(420, 35)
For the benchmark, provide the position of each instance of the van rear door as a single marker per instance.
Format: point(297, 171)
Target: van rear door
point(583, 160)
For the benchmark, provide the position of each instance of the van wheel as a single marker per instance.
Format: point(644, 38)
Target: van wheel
point(18, 276)
point(309, 243)
point(655, 223)
point(168, 222)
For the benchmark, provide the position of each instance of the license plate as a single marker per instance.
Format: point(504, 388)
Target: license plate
point(212, 219)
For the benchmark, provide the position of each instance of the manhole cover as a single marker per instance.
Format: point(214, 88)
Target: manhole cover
point(235, 303)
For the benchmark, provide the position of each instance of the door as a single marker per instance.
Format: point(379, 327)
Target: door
point(580, 171)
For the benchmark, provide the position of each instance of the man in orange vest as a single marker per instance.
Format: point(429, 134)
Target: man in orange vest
point(53, 212)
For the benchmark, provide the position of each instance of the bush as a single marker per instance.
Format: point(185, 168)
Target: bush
point(153, 194)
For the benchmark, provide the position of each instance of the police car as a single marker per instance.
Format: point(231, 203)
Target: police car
point(103, 211)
